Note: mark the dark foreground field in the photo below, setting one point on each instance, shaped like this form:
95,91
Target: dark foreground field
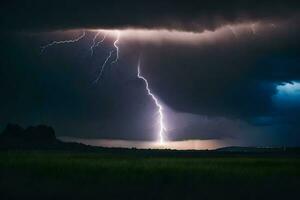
61,175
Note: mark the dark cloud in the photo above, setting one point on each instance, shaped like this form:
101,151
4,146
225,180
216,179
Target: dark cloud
217,89
178,14
232,77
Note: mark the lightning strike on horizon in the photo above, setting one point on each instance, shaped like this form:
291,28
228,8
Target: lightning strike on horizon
162,128
103,66
149,35
62,42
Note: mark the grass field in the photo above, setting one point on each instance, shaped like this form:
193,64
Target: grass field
61,175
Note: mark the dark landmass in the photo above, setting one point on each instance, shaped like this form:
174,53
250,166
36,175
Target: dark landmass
259,149
34,164
135,174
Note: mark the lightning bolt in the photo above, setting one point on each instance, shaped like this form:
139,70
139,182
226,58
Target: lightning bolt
62,42
116,47
102,40
162,128
96,44
159,107
93,46
110,54
102,67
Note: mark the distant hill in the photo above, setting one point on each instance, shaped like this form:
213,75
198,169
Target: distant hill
258,149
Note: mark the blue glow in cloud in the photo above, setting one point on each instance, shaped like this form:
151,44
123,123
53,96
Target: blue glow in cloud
288,94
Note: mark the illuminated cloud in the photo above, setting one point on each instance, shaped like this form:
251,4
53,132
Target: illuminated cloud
192,37
289,89
216,64
169,14
288,94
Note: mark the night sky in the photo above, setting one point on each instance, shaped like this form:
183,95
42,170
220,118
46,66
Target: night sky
222,70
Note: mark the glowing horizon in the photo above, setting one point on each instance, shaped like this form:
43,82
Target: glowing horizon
174,145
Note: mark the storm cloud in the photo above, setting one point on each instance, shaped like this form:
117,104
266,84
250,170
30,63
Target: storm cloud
215,66
110,14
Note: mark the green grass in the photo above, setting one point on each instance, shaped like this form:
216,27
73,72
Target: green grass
49,175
